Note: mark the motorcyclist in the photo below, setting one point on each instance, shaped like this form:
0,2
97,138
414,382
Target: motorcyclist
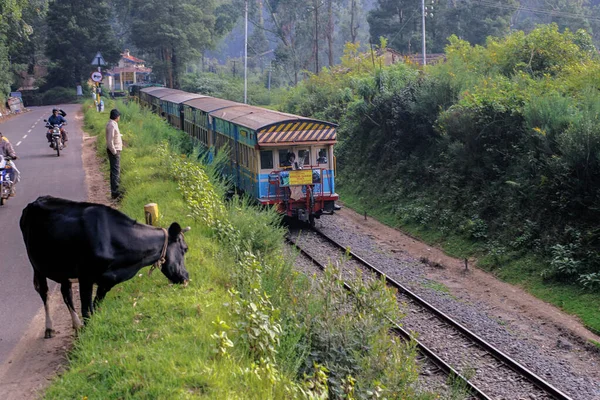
56,119
6,150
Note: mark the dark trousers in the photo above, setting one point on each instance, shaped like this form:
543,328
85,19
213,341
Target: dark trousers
115,172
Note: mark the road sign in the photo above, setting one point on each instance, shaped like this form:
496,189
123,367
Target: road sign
96,76
98,60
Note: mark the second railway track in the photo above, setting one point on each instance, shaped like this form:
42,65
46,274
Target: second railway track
491,373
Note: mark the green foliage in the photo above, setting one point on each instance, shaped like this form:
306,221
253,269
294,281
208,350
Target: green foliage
59,95
174,32
76,31
400,22
230,88
499,144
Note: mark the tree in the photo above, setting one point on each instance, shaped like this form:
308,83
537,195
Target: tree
12,27
173,32
472,20
77,30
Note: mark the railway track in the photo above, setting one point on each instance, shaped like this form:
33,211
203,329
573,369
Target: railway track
487,372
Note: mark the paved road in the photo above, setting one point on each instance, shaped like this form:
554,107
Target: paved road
42,173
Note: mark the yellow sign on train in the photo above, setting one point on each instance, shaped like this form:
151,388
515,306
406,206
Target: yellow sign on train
301,177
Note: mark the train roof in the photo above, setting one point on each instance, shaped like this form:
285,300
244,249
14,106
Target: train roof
275,128
252,117
162,92
209,104
298,130
150,89
272,127
178,98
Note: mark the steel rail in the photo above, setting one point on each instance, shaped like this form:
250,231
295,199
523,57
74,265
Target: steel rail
498,354
424,350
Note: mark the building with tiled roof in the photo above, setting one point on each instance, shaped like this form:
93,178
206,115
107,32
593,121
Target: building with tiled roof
130,70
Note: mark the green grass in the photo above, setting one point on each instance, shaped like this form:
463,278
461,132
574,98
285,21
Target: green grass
438,287
518,269
152,340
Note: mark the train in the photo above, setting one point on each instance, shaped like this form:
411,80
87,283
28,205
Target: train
281,160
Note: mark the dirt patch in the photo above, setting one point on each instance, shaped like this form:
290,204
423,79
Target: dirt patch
35,361
509,303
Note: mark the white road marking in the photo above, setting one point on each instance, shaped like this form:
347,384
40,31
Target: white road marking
18,143
29,131
25,137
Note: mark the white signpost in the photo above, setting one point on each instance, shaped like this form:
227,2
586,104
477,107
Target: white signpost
96,76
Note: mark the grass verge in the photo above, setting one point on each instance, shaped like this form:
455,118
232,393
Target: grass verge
523,270
247,326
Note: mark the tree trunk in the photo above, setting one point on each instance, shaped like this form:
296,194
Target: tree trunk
169,68
174,70
330,32
353,29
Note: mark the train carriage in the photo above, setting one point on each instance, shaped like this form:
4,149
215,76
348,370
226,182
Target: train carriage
260,143
197,120
155,96
172,107
145,98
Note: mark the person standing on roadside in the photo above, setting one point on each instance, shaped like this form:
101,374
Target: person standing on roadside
114,145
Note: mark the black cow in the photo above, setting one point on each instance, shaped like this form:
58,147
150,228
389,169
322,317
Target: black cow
94,244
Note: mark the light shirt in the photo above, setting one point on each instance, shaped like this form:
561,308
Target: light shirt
114,142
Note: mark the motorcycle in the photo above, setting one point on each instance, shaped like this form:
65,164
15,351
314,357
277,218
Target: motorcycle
56,137
6,184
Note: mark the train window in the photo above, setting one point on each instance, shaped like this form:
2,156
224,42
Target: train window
304,157
283,161
322,156
266,159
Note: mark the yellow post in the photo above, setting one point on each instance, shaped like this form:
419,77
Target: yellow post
98,94
151,212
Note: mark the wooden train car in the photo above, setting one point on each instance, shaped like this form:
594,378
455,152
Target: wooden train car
279,159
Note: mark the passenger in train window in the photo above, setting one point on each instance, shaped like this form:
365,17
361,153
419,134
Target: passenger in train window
303,158
322,157
291,161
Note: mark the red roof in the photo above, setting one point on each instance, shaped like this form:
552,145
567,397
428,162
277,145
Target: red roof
131,58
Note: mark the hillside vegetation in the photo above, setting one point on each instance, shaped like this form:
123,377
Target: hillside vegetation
494,152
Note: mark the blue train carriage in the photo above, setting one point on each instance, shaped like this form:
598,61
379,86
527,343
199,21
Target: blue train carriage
172,107
198,122
135,90
145,94
155,96
261,141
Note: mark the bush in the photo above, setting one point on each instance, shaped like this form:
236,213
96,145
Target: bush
59,95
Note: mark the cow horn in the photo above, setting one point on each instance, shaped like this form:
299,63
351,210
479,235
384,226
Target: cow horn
186,229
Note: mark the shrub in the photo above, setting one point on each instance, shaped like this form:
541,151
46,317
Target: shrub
59,95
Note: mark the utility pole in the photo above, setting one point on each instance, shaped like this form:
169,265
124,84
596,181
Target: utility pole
246,54
316,37
424,50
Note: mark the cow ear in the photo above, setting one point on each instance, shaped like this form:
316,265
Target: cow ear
174,231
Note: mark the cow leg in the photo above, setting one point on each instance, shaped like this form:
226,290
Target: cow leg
67,293
100,293
85,292
41,286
